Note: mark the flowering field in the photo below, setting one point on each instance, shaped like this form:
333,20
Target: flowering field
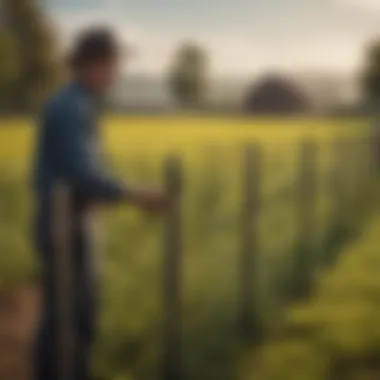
211,154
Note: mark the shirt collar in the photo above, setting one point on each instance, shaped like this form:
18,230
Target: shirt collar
94,99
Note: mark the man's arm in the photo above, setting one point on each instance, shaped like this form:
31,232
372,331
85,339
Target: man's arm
77,160
79,164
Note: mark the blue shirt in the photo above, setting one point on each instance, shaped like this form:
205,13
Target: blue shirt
69,152
69,149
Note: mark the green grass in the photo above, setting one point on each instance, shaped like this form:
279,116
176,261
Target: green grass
130,335
335,335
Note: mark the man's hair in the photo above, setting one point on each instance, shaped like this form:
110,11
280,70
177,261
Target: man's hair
93,45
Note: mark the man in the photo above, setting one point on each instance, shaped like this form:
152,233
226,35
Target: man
69,153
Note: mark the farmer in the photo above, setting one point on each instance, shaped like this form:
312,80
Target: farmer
69,152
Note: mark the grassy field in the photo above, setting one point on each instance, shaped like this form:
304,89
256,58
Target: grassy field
335,335
127,136
211,152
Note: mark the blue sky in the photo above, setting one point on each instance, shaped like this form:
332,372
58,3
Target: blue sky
243,36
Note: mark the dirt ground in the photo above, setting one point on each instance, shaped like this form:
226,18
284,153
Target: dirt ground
18,315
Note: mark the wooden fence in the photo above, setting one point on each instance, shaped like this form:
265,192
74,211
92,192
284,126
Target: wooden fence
349,177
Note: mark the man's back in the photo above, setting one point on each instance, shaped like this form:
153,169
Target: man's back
46,171
68,104
68,152
68,148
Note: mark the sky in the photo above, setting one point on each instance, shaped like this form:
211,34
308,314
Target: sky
243,37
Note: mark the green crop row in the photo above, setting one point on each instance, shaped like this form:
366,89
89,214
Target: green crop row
336,334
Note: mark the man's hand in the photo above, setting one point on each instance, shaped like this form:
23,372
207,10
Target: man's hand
151,201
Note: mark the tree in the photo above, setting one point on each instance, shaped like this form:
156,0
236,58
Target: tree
276,95
40,68
371,75
188,75
9,67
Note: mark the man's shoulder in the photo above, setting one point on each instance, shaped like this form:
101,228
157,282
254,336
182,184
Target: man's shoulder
65,101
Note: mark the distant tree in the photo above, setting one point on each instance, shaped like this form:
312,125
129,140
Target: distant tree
40,69
371,92
371,75
188,75
276,95
9,68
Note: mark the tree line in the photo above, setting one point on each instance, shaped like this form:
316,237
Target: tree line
31,64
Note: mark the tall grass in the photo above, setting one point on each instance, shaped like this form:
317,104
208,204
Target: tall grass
130,330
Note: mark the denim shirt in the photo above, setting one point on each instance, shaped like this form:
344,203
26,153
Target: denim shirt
69,151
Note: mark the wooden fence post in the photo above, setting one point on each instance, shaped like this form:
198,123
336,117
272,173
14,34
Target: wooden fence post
357,175
336,179
63,268
248,314
374,144
305,259
172,350
366,174
370,161
360,181
349,170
